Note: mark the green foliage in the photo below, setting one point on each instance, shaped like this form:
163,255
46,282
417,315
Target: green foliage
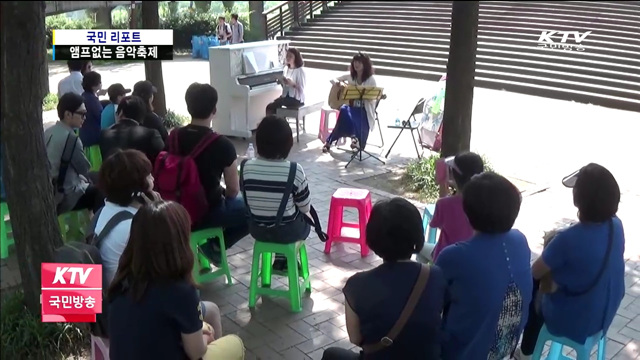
50,102
24,336
62,22
175,120
421,177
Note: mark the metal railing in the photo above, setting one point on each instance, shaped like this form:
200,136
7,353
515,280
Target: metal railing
291,14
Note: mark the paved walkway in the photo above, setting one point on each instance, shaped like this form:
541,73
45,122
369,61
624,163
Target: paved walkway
515,133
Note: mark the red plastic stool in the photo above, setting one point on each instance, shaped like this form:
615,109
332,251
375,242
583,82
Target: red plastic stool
325,130
338,230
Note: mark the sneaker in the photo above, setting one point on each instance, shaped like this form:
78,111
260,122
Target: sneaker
211,252
518,355
280,264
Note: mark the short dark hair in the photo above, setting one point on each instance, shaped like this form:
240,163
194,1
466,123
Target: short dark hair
469,164
274,138
491,202
596,194
394,230
69,102
234,16
222,18
76,65
158,250
132,107
91,80
202,100
367,66
299,62
123,175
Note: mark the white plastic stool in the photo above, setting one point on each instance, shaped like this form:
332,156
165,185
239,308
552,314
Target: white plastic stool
325,130
99,348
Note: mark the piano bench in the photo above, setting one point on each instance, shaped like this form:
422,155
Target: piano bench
299,114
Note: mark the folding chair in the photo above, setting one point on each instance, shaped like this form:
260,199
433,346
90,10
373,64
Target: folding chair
412,124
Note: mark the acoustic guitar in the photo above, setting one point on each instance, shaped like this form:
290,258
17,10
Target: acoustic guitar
335,94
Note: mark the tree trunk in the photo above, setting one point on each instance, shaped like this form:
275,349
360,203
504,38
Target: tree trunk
103,17
461,68
228,5
26,175
257,23
134,15
203,6
173,9
153,69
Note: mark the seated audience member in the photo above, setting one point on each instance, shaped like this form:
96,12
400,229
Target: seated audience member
586,263
264,182
227,208
293,83
124,177
73,82
374,299
154,308
449,216
146,91
354,120
116,93
488,276
90,130
127,133
67,162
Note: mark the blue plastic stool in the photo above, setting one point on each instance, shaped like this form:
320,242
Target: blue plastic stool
583,351
426,219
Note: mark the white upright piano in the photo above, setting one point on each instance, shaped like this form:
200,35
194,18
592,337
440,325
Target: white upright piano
245,76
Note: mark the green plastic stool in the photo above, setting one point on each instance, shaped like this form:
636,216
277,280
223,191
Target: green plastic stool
202,263
291,252
94,156
72,225
5,228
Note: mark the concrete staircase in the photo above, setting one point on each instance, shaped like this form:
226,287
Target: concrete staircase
411,39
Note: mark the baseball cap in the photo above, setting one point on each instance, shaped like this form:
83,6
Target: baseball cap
116,90
467,163
593,171
143,88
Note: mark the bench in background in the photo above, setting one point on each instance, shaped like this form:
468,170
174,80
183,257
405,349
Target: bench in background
300,114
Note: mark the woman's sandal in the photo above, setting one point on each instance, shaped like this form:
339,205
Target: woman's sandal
325,148
354,144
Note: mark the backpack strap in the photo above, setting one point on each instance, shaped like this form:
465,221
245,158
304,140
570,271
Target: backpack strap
206,141
406,313
244,194
293,167
314,221
115,220
65,160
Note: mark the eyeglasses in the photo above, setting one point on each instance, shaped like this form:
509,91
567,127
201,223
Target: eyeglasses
83,114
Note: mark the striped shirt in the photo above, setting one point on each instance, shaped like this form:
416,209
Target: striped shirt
264,182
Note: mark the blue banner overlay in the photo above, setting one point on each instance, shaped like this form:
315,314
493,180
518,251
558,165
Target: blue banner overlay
113,52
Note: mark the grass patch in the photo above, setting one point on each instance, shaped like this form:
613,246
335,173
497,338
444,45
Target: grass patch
24,336
50,102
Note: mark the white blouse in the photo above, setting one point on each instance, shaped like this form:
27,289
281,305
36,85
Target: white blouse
299,78
369,105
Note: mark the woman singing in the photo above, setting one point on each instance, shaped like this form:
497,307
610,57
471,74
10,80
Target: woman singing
355,120
293,83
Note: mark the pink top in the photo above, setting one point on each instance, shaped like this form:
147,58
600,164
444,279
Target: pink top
450,218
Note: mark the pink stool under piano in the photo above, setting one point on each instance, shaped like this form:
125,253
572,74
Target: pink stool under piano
99,348
341,231
325,129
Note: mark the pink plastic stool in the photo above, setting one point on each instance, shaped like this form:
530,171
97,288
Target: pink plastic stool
325,130
99,348
338,230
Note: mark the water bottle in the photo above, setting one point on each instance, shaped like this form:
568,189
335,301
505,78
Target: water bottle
251,152
398,122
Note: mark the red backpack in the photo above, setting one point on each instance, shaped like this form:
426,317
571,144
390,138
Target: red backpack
177,178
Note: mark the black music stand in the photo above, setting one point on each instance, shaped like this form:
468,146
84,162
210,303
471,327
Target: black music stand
362,94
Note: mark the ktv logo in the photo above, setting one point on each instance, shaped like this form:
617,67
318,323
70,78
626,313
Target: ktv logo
568,40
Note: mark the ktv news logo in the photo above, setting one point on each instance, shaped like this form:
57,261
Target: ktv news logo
71,292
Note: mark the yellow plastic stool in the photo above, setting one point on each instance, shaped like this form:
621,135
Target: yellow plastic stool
202,263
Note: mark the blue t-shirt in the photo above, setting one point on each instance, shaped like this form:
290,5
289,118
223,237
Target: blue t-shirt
108,116
379,295
490,288
575,256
